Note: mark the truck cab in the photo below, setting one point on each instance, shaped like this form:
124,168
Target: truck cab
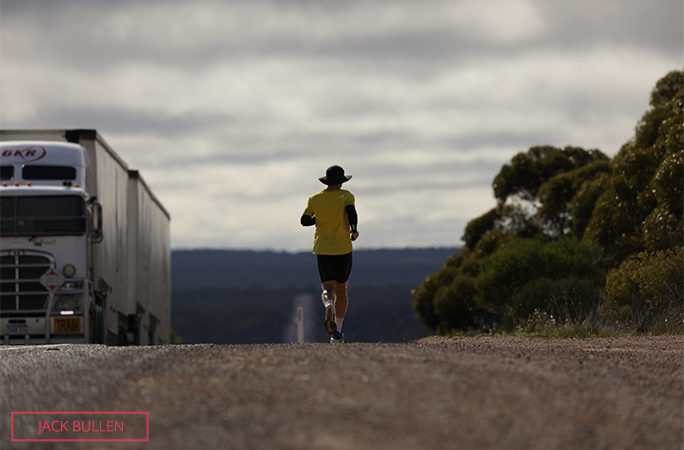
47,222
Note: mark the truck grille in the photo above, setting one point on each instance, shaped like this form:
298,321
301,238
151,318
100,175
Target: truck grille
20,288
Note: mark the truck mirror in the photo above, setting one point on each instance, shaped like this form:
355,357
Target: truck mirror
97,234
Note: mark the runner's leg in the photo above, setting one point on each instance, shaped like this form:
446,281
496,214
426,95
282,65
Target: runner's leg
328,297
341,303
329,291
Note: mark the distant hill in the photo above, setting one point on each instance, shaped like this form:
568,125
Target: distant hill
212,268
243,297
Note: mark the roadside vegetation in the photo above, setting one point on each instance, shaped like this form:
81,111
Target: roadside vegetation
579,245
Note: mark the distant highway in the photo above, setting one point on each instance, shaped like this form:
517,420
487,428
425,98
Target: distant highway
438,393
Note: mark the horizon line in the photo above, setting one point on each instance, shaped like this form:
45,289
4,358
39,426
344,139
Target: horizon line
262,250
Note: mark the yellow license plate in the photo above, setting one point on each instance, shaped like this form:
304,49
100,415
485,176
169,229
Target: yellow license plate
68,325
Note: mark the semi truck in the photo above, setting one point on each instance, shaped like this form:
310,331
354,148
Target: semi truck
84,244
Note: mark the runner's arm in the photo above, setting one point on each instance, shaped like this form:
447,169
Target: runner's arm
353,217
307,220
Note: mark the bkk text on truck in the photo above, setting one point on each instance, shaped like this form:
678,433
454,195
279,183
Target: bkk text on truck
84,244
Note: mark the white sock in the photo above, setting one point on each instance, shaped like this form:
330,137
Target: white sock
338,322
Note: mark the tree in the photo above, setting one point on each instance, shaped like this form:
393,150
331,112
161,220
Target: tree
567,199
536,190
563,218
663,227
479,226
581,207
644,192
528,171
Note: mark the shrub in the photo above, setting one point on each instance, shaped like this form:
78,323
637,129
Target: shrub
647,292
455,307
424,295
508,270
566,300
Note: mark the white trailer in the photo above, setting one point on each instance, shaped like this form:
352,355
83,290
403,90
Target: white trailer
84,244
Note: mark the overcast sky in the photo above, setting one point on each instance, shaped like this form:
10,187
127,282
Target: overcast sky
231,110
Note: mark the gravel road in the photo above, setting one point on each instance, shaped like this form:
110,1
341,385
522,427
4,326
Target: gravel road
437,393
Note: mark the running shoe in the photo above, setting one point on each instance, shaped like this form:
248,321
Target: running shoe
337,338
330,325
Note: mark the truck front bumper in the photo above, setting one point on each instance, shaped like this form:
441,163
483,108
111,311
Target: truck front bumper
35,330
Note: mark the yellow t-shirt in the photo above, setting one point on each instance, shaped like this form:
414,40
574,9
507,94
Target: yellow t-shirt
332,225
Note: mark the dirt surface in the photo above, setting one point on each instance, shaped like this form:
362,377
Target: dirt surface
438,393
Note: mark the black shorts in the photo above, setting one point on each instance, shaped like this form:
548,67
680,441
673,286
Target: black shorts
334,267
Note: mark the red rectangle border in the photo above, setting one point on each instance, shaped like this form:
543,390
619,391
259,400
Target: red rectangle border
146,413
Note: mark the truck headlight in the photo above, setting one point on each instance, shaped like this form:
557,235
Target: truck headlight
69,270
73,303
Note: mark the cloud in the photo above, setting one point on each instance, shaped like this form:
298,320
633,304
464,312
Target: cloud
121,120
232,109
211,30
654,25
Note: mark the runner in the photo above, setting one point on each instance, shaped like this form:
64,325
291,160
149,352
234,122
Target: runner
333,212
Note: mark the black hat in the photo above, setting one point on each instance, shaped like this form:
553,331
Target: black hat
334,176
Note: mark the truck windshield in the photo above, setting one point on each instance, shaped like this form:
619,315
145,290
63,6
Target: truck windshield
6,172
42,216
48,173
